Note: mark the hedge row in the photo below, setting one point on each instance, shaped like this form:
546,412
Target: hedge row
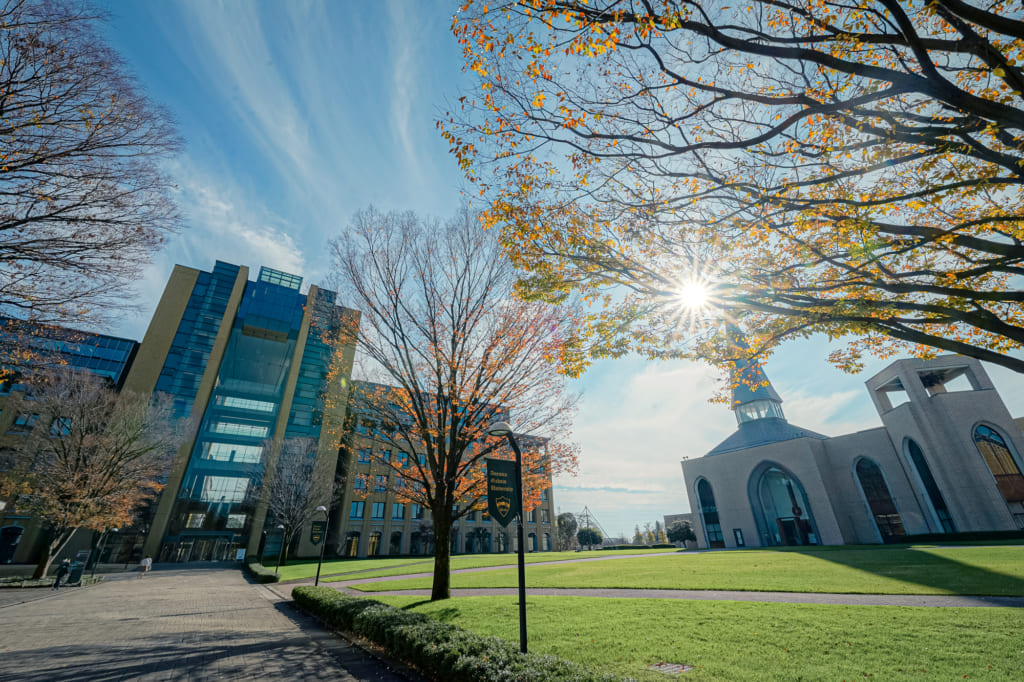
260,573
661,545
968,536
438,650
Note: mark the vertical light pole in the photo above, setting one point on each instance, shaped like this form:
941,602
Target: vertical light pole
503,429
323,543
99,550
280,550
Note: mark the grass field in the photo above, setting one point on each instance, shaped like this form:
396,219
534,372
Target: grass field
995,570
346,569
753,641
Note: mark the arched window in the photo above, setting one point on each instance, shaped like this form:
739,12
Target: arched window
352,544
373,548
531,542
876,492
931,488
1004,468
709,514
396,543
547,542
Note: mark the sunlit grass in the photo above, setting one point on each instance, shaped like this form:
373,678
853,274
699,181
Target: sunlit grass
347,569
883,570
753,641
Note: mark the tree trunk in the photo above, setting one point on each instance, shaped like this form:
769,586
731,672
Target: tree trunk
53,548
442,556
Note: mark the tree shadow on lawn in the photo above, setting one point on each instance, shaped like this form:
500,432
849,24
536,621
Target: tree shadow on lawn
447,614
912,565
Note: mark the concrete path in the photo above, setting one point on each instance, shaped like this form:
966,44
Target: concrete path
184,624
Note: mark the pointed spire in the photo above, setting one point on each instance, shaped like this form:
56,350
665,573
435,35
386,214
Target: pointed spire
753,396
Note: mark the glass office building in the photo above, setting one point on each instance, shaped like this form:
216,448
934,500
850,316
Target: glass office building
246,362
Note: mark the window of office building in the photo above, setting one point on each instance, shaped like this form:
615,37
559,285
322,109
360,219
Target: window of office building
398,511
380,484
355,511
378,511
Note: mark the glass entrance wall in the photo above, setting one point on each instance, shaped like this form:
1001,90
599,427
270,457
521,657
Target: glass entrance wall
879,498
781,509
931,488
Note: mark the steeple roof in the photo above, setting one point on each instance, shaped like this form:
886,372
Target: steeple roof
758,409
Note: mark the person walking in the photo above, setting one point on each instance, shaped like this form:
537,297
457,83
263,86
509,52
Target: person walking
62,570
144,566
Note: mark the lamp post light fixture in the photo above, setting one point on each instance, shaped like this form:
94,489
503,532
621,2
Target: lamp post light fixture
323,543
99,550
503,429
280,550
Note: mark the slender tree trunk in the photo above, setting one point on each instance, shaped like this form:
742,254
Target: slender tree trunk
57,543
442,556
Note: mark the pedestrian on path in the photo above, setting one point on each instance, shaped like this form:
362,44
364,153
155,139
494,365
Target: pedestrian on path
144,566
62,570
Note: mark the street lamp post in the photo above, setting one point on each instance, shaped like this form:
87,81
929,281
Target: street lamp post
99,550
323,543
503,429
280,550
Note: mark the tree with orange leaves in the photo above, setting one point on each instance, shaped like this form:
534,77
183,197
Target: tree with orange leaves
847,167
92,456
452,351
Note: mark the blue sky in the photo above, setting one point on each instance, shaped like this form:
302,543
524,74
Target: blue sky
297,114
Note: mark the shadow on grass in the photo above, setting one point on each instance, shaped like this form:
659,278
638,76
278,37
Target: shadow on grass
912,565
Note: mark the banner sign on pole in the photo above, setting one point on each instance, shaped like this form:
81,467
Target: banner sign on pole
502,497
316,532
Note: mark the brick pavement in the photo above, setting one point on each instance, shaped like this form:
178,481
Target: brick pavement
185,624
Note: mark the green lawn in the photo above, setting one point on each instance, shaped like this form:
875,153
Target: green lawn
995,570
347,569
753,641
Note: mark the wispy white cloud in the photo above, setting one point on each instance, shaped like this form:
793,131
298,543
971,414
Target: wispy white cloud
404,80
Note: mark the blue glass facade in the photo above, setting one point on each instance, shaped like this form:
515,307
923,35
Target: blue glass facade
107,356
213,511
190,350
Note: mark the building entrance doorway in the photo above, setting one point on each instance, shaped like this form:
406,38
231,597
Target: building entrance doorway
781,509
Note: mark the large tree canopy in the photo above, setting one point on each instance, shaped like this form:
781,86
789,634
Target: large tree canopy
83,202
851,167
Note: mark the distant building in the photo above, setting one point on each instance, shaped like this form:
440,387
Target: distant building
372,522
946,459
107,356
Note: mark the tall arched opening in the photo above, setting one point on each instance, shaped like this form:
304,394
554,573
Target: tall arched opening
1004,467
780,506
879,498
931,488
709,514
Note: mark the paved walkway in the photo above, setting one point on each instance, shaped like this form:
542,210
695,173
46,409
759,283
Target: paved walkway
174,625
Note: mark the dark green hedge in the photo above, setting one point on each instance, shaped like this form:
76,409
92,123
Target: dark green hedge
663,545
260,573
969,536
440,651
625,547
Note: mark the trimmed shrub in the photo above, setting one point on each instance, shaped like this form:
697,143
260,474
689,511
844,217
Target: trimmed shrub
625,547
439,650
663,545
968,536
260,573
